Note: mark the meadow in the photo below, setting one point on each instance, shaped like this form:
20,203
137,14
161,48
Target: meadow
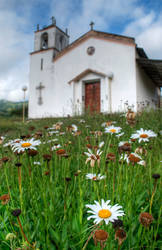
56,173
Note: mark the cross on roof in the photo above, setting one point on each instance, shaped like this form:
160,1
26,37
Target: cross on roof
53,20
91,24
39,88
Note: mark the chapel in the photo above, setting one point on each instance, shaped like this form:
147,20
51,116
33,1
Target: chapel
98,72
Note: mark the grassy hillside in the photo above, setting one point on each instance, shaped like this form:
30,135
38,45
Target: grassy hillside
8,108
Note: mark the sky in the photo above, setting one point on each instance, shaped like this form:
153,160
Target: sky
141,19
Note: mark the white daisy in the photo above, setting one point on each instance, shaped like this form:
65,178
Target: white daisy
107,124
82,121
122,143
101,144
53,132
36,163
93,157
119,135
134,158
11,142
22,145
112,130
74,128
143,135
104,212
95,177
56,147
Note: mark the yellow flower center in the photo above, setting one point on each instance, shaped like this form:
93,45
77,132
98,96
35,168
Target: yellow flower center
113,130
94,178
25,144
143,135
104,213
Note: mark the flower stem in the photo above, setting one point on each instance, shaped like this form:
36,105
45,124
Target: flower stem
153,193
22,231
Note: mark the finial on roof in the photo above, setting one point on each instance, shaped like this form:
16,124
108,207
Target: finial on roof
53,20
66,31
91,24
37,27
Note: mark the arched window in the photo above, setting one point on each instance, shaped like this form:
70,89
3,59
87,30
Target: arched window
61,42
44,41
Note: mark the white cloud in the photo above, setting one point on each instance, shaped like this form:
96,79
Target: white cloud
100,11
148,33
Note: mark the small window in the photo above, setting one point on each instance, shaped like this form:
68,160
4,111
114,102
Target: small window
41,63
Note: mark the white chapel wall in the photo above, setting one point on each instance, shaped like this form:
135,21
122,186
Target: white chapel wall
45,77
146,90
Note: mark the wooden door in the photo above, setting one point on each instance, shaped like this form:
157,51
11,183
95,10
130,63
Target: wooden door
92,97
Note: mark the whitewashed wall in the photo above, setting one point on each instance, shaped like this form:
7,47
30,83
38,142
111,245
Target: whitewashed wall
109,57
146,89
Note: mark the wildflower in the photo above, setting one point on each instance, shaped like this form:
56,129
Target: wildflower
98,133
82,121
16,212
31,128
72,128
68,179
5,198
1,139
117,224
130,116
133,158
108,123
104,212
18,164
95,177
47,172
146,219
46,127
57,125
143,135
4,159
100,236
53,132
38,134
56,146
22,145
10,236
111,157
156,176
78,132
11,142
47,157
32,152
119,135
124,146
120,235
112,130
36,163
61,152
92,157
141,151
101,144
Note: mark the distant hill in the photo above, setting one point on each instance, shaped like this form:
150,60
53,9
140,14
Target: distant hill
8,108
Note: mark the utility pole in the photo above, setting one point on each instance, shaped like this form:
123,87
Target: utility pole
24,89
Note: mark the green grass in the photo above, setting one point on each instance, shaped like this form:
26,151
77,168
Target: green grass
53,212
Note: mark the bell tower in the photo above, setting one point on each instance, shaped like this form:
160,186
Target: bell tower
50,37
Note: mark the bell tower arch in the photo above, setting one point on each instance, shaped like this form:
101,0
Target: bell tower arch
50,37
